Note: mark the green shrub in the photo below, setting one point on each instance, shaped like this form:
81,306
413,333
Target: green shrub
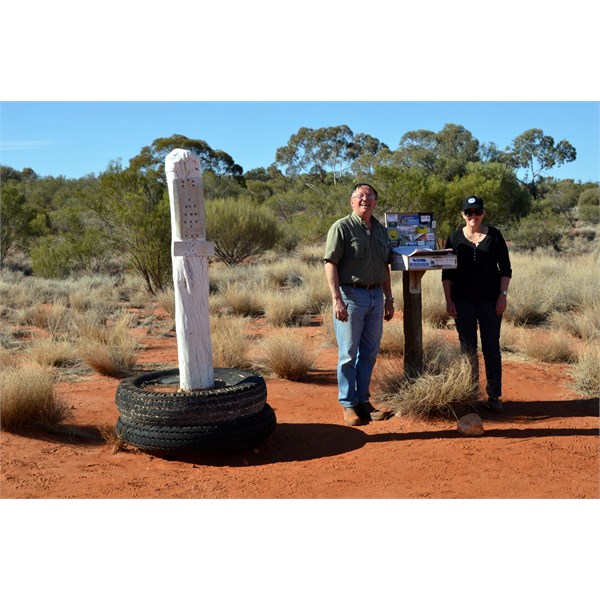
538,230
51,259
589,205
240,229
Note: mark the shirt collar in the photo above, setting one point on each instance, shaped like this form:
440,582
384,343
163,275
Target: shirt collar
356,219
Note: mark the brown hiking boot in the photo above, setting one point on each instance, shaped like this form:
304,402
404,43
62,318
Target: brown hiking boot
351,417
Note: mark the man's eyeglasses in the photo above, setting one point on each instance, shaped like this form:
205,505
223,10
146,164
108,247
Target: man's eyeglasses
474,212
363,195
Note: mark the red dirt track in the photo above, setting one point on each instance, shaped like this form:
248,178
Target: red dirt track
544,446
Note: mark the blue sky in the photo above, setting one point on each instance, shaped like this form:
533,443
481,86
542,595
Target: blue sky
76,138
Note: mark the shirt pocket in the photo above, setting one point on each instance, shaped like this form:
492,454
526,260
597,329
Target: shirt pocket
359,248
382,250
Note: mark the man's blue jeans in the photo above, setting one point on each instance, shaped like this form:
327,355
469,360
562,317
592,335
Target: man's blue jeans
358,342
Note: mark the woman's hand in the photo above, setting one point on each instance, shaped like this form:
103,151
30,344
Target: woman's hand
451,308
501,304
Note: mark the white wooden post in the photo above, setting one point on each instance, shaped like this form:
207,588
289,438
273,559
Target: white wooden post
190,252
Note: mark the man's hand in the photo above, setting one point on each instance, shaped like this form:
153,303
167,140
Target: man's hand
388,311
340,310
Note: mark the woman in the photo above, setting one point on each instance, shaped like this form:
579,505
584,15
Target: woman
476,293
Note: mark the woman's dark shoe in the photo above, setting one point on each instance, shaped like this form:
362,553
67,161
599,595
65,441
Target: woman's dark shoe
369,413
495,405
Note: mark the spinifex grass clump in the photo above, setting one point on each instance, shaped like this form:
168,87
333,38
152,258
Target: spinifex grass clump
51,353
229,341
586,371
286,307
109,349
285,355
550,347
28,399
445,384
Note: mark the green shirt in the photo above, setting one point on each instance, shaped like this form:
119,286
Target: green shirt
361,256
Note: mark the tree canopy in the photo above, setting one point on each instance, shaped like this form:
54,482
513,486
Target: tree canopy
535,153
152,158
325,152
445,153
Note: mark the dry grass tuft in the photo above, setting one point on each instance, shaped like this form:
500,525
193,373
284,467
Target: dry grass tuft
437,392
243,298
109,349
586,370
584,323
311,254
392,339
229,342
327,324
552,347
112,361
284,355
433,303
509,337
286,307
48,352
8,360
28,399
166,300
112,438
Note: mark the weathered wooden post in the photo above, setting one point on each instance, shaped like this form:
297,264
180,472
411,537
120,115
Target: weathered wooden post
412,323
190,252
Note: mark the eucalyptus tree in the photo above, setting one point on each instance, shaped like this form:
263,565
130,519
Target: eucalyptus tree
445,153
151,159
325,155
535,153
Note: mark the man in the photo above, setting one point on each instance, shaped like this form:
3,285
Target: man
357,257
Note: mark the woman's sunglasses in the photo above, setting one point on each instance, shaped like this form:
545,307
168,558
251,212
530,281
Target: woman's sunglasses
476,211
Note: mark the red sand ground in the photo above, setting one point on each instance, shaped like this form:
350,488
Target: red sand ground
545,445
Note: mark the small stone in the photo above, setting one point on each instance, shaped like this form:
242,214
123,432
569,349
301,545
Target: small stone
471,424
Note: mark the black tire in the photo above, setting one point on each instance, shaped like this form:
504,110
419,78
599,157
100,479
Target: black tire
230,435
237,393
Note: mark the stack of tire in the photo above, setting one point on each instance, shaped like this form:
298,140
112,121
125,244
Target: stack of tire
232,415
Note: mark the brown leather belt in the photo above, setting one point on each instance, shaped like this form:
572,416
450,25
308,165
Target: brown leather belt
364,286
